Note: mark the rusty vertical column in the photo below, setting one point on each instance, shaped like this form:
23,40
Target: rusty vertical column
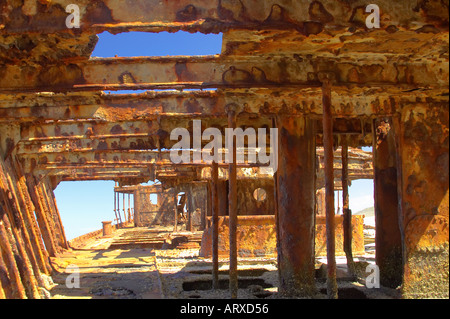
175,204
132,207
346,209
215,224
137,204
388,241
129,208
296,197
115,207
123,209
329,185
275,194
232,201
118,210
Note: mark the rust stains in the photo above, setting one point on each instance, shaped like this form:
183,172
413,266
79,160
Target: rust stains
189,13
60,75
98,12
317,12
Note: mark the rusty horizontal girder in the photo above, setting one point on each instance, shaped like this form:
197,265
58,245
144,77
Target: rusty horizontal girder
205,72
94,140
213,16
349,103
360,167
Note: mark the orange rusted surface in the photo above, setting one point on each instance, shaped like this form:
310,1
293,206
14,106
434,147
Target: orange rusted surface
257,237
56,124
357,236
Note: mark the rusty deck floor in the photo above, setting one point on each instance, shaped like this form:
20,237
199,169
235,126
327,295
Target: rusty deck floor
150,273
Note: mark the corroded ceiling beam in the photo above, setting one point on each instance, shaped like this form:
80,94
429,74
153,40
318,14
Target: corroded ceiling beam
151,106
360,167
114,135
92,136
212,16
216,72
109,159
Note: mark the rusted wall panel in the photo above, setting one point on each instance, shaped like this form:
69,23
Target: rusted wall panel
422,138
257,237
151,213
248,205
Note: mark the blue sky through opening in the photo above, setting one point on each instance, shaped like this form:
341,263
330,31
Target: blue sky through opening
134,44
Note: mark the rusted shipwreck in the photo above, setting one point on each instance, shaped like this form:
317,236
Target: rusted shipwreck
313,70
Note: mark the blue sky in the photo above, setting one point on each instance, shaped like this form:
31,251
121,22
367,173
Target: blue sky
84,205
157,44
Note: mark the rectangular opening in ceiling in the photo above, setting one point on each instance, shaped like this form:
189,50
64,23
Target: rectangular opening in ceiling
134,44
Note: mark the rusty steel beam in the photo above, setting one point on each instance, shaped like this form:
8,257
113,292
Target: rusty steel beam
18,289
295,207
60,145
30,222
215,224
213,16
332,290
348,231
41,217
232,204
20,242
51,200
388,238
115,208
6,289
108,159
23,263
360,167
166,73
350,103
26,244
175,204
